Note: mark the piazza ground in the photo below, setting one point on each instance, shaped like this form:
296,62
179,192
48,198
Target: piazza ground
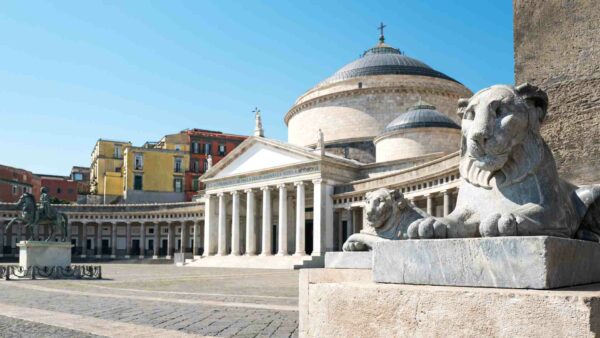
154,300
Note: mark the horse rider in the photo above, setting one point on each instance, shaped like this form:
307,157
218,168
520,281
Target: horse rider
45,210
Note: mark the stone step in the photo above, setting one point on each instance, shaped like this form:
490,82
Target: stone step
257,262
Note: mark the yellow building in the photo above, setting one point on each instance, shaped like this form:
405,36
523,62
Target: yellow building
154,174
123,173
106,179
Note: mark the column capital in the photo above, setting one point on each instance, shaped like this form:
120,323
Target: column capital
446,192
282,186
234,193
299,183
266,188
318,181
220,194
249,190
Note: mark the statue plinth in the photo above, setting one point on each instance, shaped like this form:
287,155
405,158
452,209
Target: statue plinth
37,253
536,262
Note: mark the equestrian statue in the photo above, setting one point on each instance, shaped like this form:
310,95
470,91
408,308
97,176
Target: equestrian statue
32,216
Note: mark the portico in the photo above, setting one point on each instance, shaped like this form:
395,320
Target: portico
271,203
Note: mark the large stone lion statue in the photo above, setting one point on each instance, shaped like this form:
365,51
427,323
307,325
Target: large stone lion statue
388,216
510,185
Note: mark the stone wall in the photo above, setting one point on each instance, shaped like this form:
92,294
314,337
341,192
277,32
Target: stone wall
557,46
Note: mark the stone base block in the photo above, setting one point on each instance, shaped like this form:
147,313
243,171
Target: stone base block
34,253
345,303
349,260
258,262
538,262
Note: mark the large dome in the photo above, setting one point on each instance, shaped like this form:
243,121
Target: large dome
384,60
356,104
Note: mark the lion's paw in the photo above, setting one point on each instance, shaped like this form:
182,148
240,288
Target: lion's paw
354,246
429,227
499,225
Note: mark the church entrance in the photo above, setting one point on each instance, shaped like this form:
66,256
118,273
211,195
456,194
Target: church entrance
309,236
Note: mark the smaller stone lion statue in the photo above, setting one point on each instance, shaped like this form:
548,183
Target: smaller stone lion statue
510,185
388,216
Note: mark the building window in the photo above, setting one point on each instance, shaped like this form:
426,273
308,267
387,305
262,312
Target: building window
78,177
14,190
151,231
205,165
137,182
178,162
359,85
178,147
221,150
139,162
195,148
58,190
196,166
118,169
195,185
178,185
207,149
117,151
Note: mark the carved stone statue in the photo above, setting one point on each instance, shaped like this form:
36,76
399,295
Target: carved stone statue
33,216
209,161
388,216
510,185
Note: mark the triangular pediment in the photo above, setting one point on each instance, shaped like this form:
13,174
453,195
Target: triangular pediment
257,154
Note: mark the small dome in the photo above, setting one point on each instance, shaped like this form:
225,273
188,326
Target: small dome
422,115
384,60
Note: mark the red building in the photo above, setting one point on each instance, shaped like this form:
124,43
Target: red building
61,187
203,143
14,182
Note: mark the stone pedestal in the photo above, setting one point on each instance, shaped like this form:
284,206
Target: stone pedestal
34,253
538,262
349,260
347,303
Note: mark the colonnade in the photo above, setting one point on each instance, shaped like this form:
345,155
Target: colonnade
99,239
219,241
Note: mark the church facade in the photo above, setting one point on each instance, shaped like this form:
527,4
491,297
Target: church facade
383,121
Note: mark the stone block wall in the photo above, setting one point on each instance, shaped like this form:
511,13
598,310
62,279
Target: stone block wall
557,47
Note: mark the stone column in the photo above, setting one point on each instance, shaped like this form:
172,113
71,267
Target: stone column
349,223
184,237
320,221
113,241
128,240
222,225
266,222
210,224
99,241
83,238
142,240
2,225
250,226
283,217
446,194
155,250
170,240
235,223
429,204
195,239
300,219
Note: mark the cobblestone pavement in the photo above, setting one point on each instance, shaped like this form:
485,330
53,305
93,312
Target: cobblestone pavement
200,301
11,327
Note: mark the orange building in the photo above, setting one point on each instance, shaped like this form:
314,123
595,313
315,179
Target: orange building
14,182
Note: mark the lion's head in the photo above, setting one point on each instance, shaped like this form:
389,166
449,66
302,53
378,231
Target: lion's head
381,204
501,133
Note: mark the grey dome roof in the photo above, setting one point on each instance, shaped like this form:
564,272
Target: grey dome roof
421,115
384,60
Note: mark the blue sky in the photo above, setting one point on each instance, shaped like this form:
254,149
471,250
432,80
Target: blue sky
75,71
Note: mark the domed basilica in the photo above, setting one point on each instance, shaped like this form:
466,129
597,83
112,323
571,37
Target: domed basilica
385,120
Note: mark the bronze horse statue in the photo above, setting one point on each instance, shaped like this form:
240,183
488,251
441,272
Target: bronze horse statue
30,215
